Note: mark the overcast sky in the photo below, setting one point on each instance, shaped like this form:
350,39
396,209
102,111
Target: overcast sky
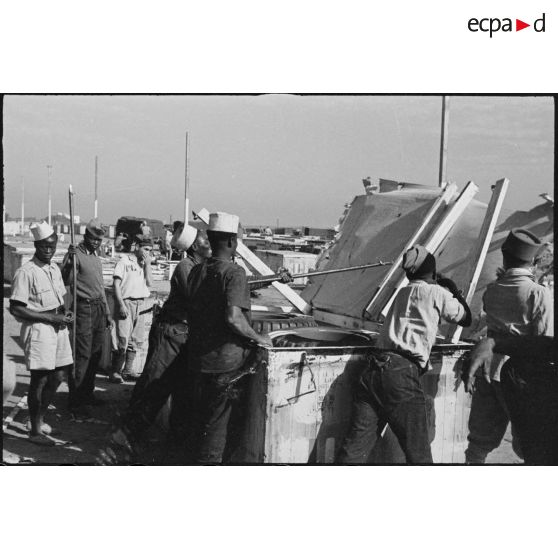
295,159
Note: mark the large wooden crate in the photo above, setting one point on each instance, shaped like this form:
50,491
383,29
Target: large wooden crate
299,408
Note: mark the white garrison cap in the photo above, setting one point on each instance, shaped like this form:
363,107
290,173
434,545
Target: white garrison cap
184,237
223,222
41,230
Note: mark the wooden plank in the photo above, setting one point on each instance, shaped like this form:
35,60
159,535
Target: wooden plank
442,202
251,259
451,216
480,249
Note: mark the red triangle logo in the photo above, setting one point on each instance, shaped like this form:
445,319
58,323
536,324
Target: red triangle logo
519,25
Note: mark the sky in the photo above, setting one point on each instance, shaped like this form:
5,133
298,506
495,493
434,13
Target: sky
292,160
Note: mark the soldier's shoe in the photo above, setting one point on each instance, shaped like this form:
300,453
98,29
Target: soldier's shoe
130,377
115,378
45,429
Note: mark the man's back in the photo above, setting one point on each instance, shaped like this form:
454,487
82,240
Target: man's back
213,287
516,304
412,322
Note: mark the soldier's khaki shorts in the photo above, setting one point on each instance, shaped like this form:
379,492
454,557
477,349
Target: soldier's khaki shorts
46,348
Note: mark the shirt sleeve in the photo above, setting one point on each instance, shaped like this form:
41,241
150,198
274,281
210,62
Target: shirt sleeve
543,312
449,307
119,269
21,287
180,277
236,289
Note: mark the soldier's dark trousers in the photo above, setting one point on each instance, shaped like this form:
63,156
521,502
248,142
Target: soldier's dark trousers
221,412
165,365
531,393
389,391
90,323
488,421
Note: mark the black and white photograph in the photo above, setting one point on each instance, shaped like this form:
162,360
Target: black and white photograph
279,279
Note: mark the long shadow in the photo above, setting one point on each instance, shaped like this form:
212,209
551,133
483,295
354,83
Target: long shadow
18,359
17,339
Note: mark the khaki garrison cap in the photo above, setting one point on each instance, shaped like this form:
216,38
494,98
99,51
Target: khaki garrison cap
521,244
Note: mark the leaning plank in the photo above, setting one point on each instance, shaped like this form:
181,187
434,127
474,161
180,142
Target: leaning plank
451,216
481,247
294,298
442,202
251,259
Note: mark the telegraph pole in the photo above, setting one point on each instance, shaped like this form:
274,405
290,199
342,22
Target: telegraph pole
444,141
186,201
49,168
96,191
22,205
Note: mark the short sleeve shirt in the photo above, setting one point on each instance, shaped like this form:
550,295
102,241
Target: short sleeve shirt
213,287
39,286
132,277
412,322
174,308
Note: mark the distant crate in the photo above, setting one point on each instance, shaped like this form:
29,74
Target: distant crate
295,262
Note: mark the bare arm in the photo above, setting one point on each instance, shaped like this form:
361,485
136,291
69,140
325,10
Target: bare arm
67,266
147,271
237,321
23,313
468,318
448,284
121,307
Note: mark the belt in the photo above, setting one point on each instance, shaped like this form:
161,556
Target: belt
59,310
91,300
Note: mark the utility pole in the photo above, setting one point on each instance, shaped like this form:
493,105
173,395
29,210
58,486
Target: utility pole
96,191
186,201
22,205
444,140
49,168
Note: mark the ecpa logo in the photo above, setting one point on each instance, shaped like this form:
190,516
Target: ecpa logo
492,25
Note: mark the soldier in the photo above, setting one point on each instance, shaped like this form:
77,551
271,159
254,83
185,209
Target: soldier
515,305
221,335
389,390
131,278
37,301
92,317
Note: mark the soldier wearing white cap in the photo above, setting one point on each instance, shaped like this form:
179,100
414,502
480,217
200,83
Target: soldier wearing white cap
37,301
92,317
514,305
165,366
221,334
389,390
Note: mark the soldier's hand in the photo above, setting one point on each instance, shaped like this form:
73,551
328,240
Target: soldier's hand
265,340
72,249
285,276
480,361
110,321
122,313
61,319
448,284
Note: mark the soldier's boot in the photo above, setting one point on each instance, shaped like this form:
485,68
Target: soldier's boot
128,374
118,360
